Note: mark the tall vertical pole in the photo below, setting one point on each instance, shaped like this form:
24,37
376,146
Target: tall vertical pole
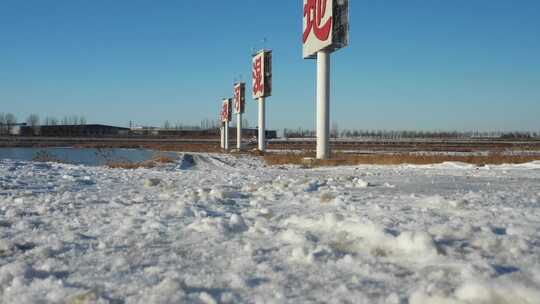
239,131
226,135
262,126
323,104
221,131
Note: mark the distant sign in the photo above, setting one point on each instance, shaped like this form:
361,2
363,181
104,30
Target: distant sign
239,98
326,26
262,74
226,111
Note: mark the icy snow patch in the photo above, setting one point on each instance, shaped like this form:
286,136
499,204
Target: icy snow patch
353,235
231,230
500,291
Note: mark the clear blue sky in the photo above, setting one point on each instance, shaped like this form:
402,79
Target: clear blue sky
415,64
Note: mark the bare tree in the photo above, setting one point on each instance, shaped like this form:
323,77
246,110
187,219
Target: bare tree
335,130
82,120
166,125
33,122
73,120
245,123
11,119
7,123
3,124
50,121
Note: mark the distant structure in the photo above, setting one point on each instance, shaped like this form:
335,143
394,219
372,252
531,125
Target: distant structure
15,129
73,131
196,134
97,130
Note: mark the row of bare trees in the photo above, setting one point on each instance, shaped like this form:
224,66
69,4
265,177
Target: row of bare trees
394,134
66,120
205,124
8,122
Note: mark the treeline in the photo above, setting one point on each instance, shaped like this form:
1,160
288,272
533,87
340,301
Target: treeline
8,122
66,120
393,134
205,124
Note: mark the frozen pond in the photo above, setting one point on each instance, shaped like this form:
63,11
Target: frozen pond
81,156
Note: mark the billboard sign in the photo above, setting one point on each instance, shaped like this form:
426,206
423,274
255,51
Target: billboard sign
325,26
226,111
239,98
262,74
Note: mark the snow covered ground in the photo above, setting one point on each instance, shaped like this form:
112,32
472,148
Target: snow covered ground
231,230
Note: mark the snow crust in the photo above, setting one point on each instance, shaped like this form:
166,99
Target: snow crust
232,230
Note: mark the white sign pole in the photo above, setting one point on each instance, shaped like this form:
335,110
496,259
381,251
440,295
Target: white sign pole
262,127
239,131
323,104
226,135
326,29
222,138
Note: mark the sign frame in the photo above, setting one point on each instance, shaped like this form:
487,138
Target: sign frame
326,32
261,70
226,113
240,98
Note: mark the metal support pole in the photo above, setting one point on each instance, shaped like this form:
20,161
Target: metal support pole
239,131
226,135
323,104
262,126
221,130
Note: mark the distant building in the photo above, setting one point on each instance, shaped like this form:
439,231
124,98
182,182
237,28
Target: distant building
14,129
197,133
144,131
103,130
73,131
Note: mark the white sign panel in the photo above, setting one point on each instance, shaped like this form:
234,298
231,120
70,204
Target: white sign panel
226,110
239,97
258,83
318,26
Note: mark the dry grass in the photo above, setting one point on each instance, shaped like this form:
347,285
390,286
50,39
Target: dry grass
396,159
128,165
172,147
162,159
189,147
151,163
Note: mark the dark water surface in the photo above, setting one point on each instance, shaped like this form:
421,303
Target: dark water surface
82,156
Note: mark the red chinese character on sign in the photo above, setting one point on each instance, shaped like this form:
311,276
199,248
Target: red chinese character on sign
237,101
225,112
258,86
314,11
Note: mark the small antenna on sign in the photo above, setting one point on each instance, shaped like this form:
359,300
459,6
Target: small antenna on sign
238,79
262,45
